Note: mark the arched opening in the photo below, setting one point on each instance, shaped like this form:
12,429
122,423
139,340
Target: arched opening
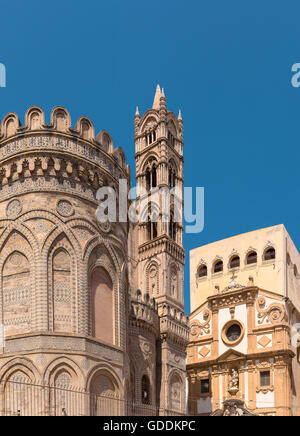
152,218
148,179
172,175
102,305
17,396
251,258
172,227
154,182
104,395
218,266
202,271
16,294
62,305
234,262
270,254
145,390
175,393
61,395
151,174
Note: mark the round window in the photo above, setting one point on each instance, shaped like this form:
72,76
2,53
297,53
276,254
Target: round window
233,333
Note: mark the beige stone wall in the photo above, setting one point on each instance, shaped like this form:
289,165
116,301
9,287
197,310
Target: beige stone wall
63,276
272,275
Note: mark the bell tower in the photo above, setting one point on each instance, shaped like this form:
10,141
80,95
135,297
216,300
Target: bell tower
159,241
159,178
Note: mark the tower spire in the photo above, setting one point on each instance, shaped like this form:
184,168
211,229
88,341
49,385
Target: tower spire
157,98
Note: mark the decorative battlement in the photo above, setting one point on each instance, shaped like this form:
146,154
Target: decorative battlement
11,129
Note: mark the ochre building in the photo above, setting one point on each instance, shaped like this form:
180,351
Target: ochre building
243,350
92,313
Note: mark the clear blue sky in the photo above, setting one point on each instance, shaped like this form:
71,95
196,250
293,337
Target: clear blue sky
226,64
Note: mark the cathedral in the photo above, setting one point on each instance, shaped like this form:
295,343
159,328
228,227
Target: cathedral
92,313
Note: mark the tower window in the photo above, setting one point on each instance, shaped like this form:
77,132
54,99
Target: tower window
171,139
172,228
151,175
265,378
151,137
218,266
235,262
202,271
145,390
154,183
172,176
270,254
252,258
205,386
152,219
152,230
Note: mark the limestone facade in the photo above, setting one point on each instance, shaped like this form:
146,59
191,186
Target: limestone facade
244,341
77,300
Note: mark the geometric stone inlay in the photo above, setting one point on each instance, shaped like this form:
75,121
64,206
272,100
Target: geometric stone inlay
13,208
64,208
264,341
204,351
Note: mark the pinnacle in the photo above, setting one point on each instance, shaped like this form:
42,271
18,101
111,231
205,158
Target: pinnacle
157,98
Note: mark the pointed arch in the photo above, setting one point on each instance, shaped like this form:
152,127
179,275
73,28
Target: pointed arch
102,285
62,286
175,392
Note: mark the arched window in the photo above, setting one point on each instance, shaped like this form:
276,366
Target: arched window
202,271
151,174
172,227
218,266
251,258
154,183
145,390
171,139
234,262
151,223
102,305
270,254
172,175
62,299
148,179
16,293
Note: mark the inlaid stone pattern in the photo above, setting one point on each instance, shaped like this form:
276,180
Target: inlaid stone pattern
13,208
65,208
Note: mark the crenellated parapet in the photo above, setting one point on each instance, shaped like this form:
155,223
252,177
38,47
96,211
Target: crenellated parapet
56,157
60,124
